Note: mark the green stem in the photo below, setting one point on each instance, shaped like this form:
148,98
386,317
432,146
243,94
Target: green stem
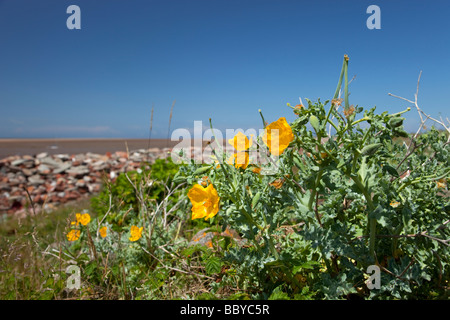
346,83
262,117
366,135
423,179
313,193
401,112
372,221
360,120
332,123
272,248
310,203
336,93
322,148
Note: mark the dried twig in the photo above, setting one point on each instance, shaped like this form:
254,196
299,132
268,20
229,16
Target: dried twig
422,113
176,269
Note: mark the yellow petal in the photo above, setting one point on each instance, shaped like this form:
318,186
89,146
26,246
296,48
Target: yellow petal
85,219
240,160
230,160
277,136
103,231
77,218
198,212
240,142
136,233
205,201
196,194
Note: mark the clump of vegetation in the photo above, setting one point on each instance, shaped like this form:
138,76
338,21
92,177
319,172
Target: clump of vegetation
122,194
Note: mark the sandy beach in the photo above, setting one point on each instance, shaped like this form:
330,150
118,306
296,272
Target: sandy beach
10,147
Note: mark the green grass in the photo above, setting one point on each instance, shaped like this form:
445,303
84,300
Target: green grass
33,259
29,253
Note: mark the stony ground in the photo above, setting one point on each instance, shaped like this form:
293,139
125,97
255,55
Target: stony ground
49,180
46,180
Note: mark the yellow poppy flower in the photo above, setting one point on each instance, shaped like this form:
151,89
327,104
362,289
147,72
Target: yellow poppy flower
205,201
84,219
73,235
240,160
277,136
240,142
136,233
103,231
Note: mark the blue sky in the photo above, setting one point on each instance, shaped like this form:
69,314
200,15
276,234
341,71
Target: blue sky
219,59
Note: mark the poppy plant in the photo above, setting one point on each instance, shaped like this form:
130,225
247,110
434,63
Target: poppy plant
205,201
277,136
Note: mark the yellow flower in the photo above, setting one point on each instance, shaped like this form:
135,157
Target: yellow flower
205,201
240,160
84,219
240,142
136,233
73,235
277,136
394,204
103,231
